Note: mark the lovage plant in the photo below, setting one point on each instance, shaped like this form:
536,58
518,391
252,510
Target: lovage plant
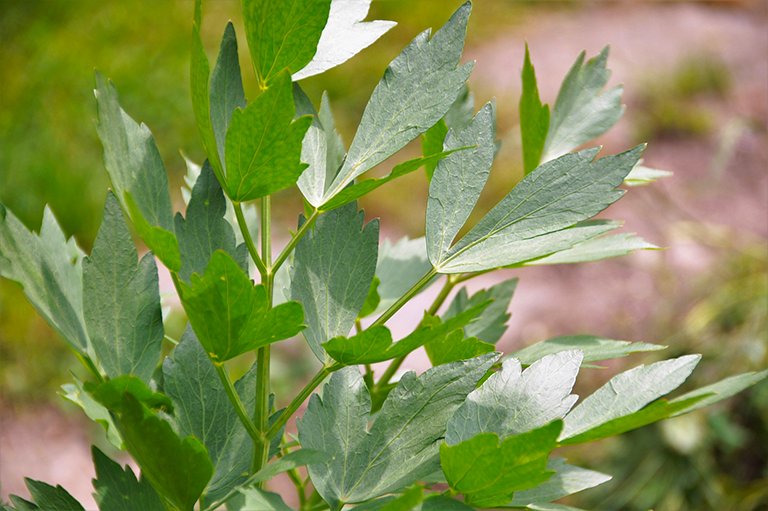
477,430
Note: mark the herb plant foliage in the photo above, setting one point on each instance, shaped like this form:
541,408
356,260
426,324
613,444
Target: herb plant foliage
477,430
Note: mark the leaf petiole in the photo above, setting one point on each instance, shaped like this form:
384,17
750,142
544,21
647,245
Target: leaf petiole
248,239
295,240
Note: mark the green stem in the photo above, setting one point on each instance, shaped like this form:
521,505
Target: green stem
295,240
300,398
248,239
450,282
234,397
261,418
405,298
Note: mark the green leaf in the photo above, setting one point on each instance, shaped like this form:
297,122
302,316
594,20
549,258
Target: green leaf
204,411
110,394
432,142
283,34
199,74
399,267
257,499
568,479
401,446
492,323
641,175
462,111
550,506
627,393
322,148
160,241
488,471
534,117
263,146
455,347
205,229
530,221
440,503
654,412
121,300
344,36
178,469
594,348
120,490
372,300
21,504
47,498
49,268
597,249
417,89
581,111
374,344
332,271
226,87
457,183
134,166
513,401
718,391
230,315
95,411
359,189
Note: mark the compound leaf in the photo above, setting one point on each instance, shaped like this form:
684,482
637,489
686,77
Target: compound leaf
581,111
513,401
457,183
627,393
492,322
332,271
120,490
594,348
121,300
230,315
49,268
534,118
263,144
205,229
402,444
417,89
283,34
488,471
531,221
344,36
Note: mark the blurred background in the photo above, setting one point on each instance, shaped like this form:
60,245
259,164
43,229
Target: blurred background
696,89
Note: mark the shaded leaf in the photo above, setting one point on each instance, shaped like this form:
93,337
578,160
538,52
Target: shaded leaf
205,229
95,411
332,271
417,89
160,241
257,499
582,112
49,268
594,348
230,315
120,490
292,460
372,300
263,144
492,322
534,118
121,300
344,36
47,498
283,34
641,175
199,74
227,92
513,401
399,267
110,393
402,444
